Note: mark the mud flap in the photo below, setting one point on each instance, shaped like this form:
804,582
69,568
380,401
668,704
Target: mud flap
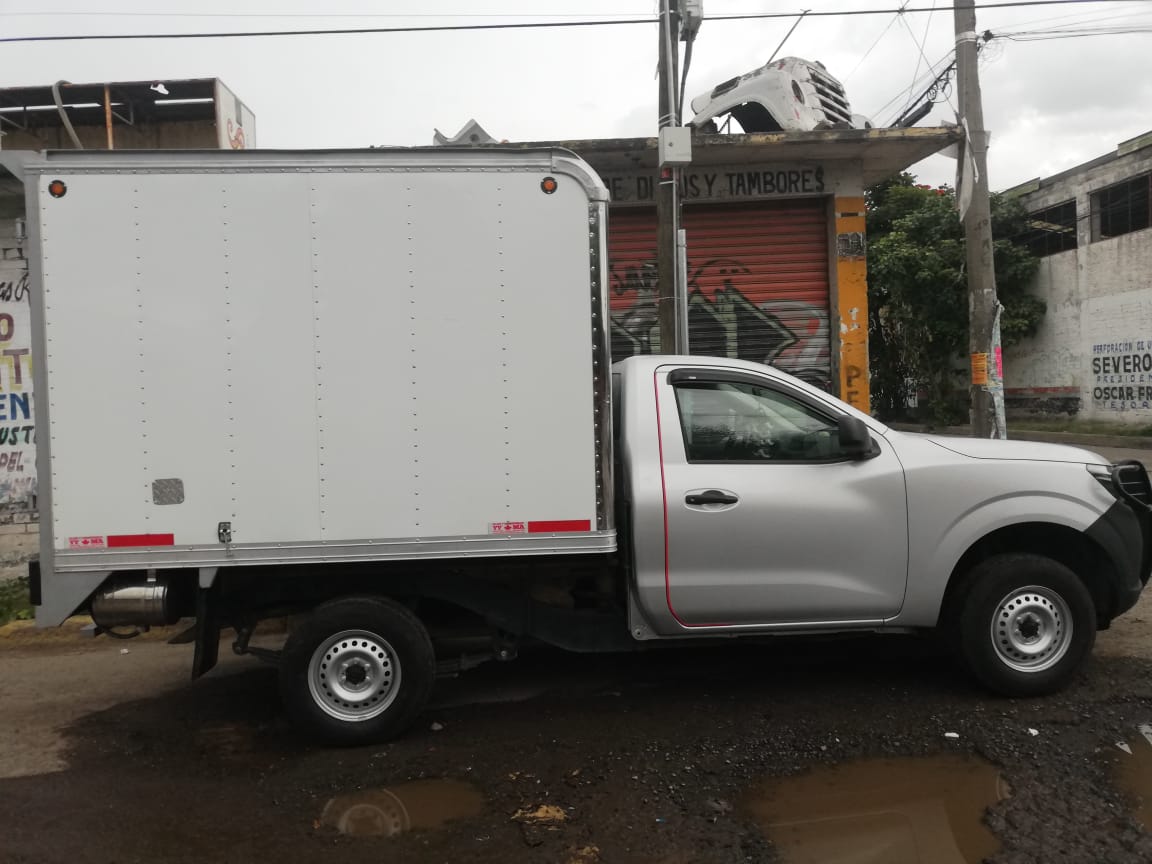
207,629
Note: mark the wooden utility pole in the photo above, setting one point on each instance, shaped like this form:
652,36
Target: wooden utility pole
983,342
667,221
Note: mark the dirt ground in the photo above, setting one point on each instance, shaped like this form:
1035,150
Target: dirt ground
869,749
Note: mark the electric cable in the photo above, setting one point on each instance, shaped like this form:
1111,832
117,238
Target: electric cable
535,25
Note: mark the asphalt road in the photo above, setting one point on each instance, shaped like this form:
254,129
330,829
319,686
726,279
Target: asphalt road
864,750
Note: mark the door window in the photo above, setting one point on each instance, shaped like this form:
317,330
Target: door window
736,421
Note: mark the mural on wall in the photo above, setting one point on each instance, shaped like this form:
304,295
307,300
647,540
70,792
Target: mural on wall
1122,375
791,334
17,428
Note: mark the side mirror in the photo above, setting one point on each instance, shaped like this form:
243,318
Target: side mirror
855,442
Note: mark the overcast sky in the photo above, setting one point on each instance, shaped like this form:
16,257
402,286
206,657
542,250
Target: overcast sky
1049,104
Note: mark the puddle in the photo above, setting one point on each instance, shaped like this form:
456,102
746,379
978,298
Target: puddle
392,810
883,811
1134,775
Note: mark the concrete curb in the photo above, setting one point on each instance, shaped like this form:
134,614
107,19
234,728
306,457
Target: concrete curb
1078,439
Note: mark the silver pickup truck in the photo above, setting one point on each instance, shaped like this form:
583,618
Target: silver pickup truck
760,504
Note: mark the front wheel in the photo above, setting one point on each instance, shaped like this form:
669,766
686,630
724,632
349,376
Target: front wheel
360,669
1024,624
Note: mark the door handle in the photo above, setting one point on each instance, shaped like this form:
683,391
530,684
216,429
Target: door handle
712,496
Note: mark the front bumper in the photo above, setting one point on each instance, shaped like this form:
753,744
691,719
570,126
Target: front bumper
1124,532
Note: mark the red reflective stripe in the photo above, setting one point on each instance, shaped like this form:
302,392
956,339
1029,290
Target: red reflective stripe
115,540
561,525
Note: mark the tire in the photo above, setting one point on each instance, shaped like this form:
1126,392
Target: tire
1023,625
357,670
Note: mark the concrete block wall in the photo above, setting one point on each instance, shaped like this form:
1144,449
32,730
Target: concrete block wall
19,543
26,526
1092,356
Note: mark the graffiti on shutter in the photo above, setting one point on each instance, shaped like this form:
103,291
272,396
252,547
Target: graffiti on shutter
757,287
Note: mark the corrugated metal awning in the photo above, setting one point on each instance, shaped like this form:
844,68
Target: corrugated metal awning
880,153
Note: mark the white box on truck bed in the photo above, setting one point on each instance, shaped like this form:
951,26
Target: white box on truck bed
262,357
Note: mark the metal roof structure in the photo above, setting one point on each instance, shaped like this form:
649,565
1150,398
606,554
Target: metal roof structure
32,108
880,152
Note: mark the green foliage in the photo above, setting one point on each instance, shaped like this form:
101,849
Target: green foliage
918,294
15,604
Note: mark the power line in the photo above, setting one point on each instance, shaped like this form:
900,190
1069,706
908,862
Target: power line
931,73
59,14
883,33
437,28
939,86
1050,19
1043,35
919,46
906,9
344,31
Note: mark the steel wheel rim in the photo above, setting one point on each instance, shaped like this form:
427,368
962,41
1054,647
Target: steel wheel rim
354,675
1031,629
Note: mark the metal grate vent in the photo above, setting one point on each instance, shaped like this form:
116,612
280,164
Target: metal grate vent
1132,479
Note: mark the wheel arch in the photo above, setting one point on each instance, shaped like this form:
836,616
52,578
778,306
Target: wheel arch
1070,547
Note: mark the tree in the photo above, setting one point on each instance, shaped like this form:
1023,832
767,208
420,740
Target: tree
918,294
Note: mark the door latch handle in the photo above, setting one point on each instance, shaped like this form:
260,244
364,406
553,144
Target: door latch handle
712,496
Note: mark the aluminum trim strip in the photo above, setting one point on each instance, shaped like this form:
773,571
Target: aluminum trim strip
251,161
601,368
815,626
642,631
407,549
42,394
570,164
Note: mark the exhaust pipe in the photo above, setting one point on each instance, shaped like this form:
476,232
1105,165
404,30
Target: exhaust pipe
134,601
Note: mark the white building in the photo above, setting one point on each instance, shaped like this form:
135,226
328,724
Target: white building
1091,358
132,115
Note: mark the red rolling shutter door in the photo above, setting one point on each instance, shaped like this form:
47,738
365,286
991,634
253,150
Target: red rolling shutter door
757,283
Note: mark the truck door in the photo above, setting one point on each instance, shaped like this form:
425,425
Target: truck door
767,520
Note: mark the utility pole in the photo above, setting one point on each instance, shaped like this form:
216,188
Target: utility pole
987,385
667,207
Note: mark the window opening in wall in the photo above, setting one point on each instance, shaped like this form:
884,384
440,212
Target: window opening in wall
1052,229
1122,208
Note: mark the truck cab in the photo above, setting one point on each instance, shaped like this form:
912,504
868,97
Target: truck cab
737,477
760,504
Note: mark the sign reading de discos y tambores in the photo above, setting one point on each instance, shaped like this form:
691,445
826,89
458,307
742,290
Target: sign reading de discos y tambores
722,183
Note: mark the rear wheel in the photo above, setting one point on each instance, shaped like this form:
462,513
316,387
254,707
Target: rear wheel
1024,624
358,669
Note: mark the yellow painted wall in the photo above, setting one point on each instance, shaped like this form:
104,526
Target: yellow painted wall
852,292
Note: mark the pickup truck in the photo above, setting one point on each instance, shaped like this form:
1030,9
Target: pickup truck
757,503
370,391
